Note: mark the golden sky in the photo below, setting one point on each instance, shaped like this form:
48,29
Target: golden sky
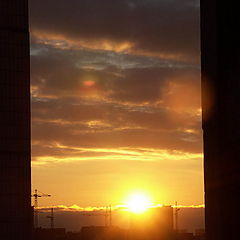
116,102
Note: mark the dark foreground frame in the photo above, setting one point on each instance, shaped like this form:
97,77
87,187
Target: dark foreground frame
220,58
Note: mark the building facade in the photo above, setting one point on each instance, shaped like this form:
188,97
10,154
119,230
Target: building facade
221,117
15,170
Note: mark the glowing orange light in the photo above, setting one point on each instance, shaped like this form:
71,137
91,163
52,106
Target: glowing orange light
89,83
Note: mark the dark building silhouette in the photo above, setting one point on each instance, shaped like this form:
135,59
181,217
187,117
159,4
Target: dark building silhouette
162,226
15,175
49,233
103,233
221,117
184,236
200,234
155,224
166,219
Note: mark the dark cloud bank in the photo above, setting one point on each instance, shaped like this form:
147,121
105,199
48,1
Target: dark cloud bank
131,103
154,26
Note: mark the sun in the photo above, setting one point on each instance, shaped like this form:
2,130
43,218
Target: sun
138,203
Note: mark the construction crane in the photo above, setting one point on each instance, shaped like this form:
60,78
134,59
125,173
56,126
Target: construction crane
51,217
110,216
107,214
176,217
37,194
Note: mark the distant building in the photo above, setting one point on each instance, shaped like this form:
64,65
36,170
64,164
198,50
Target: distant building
15,148
200,234
156,224
166,218
49,233
103,233
185,236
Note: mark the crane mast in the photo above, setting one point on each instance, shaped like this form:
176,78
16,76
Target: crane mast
176,217
107,214
51,217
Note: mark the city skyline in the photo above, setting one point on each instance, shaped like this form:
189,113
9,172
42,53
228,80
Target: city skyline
73,219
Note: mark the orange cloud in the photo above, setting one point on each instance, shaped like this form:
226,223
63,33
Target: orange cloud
59,41
62,42
182,94
76,208
131,154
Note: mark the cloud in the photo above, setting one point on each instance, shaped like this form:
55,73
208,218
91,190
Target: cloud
73,208
75,123
140,80
76,208
160,28
145,104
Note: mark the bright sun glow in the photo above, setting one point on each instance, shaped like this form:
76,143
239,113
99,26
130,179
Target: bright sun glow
138,203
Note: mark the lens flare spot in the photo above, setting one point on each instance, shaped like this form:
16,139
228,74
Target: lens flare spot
89,83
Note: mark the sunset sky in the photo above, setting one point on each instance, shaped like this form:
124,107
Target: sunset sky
116,102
